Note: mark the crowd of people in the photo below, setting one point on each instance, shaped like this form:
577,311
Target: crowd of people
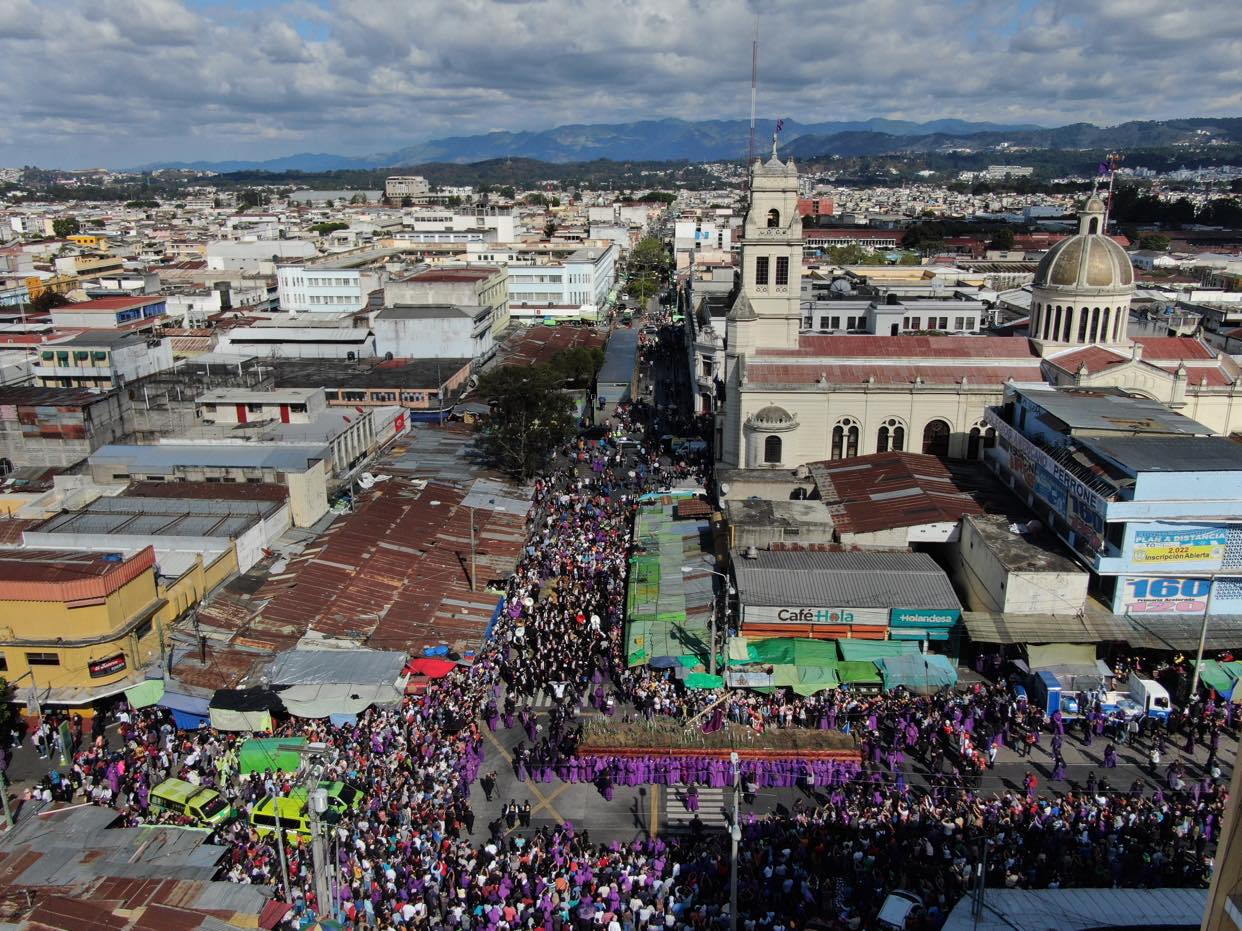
405,857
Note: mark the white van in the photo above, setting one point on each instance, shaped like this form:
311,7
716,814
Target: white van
1151,696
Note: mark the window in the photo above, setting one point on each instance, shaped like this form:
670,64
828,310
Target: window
916,323
774,218
761,270
782,270
845,439
42,659
4,663
836,323
944,323
959,323
772,449
892,435
936,438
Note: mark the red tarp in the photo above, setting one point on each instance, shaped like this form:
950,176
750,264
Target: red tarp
430,667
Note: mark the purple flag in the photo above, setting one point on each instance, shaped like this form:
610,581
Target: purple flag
1105,168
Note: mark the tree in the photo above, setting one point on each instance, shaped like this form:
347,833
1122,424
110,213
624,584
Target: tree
66,226
529,419
507,192
358,199
45,301
548,229
1154,242
323,229
649,266
1002,239
252,198
577,367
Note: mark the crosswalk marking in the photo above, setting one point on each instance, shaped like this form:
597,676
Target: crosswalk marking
713,804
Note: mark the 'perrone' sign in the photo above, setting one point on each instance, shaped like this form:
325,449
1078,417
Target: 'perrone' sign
106,667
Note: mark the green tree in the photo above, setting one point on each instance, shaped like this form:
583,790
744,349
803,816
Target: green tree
46,300
252,198
530,417
323,229
66,226
1154,241
535,200
507,192
649,265
1002,239
358,199
577,367
548,229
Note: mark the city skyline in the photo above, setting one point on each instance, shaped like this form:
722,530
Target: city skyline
159,80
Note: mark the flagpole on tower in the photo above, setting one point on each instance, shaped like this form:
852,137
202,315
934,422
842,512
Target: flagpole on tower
754,83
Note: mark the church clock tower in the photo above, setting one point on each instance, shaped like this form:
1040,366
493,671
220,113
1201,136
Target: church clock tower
767,313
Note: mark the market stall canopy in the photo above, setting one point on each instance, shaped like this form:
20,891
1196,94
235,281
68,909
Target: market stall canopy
145,693
320,683
244,709
430,667
923,673
261,754
190,712
871,650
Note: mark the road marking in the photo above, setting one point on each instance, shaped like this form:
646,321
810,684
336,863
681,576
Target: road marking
711,811
544,800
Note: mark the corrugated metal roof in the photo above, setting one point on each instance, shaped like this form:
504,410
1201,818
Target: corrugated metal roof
843,580
172,455
1081,909
1169,454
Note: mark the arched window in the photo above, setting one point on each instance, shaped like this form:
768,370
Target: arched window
845,439
1095,324
1083,318
774,218
892,435
1094,225
936,438
982,437
772,449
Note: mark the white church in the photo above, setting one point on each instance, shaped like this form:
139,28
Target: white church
793,397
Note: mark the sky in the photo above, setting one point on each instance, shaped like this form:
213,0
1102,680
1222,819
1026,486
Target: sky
120,83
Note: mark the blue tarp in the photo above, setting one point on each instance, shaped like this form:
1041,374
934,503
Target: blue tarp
919,672
491,624
190,712
441,650
343,720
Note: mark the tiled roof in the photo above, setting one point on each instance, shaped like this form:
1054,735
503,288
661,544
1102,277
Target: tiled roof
761,373
1095,358
1173,348
908,347
882,491
396,572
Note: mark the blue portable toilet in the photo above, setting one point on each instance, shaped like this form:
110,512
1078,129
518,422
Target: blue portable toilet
1046,691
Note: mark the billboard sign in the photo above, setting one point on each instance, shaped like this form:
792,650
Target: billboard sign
1202,547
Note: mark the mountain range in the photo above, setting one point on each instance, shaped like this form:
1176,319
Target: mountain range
720,140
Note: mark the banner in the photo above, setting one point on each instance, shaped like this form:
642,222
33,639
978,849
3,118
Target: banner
1204,547
106,667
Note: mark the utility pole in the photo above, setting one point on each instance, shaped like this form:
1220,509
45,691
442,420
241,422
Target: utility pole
1207,611
472,569
280,842
317,803
4,797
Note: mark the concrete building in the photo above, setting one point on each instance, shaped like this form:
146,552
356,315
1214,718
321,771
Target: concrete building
469,286
332,287
112,313
101,359
1144,496
399,186
424,387
171,526
302,469
1006,571
332,339
698,233
761,524
585,279
893,317
238,406
434,331
843,595
82,623
57,427
256,257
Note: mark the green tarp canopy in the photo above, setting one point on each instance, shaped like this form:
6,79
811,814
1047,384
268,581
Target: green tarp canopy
858,672
875,649
702,680
259,754
795,651
145,693
806,680
921,672
1221,677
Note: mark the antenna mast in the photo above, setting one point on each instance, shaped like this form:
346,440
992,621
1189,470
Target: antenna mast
754,81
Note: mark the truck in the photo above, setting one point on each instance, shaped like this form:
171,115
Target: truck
204,806
1152,697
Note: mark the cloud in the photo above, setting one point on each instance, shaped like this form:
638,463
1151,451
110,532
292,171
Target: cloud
123,82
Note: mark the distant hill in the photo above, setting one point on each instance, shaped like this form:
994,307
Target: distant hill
726,140
646,140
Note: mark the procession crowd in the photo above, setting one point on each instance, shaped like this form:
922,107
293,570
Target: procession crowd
404,859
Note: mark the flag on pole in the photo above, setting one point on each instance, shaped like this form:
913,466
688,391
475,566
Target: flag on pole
1105,168
780,124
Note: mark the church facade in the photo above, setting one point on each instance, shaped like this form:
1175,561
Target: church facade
793,397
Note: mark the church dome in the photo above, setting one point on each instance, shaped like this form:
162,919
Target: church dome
772,418
1088,263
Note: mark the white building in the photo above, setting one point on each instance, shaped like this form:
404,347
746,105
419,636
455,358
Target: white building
695,234
257,257
584,279
398,186
283,405
475,287
335,341
434,331
893,317
326,289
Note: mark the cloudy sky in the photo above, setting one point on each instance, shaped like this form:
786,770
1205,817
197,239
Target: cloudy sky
127,82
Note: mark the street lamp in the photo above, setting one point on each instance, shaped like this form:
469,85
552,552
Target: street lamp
711,652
